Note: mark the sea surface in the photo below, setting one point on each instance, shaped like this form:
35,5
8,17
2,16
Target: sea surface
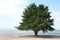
15,32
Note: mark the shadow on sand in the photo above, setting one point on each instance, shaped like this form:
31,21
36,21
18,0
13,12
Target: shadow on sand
42,36
48,36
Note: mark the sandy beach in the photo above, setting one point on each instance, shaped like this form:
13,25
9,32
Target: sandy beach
41,37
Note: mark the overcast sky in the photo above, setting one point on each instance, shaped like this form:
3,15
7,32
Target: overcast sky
11,11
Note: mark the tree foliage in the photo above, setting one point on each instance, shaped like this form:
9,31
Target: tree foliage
36,18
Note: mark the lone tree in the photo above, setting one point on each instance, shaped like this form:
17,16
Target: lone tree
36,18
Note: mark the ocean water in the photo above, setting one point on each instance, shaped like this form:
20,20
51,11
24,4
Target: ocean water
15,32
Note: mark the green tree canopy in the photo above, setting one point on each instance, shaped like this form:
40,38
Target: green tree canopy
36,18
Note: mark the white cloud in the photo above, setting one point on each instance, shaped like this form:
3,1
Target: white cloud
56,17
12,8
2,22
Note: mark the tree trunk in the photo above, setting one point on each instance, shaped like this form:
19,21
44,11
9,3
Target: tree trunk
35,33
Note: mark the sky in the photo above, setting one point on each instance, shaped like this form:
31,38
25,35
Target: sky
12,10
